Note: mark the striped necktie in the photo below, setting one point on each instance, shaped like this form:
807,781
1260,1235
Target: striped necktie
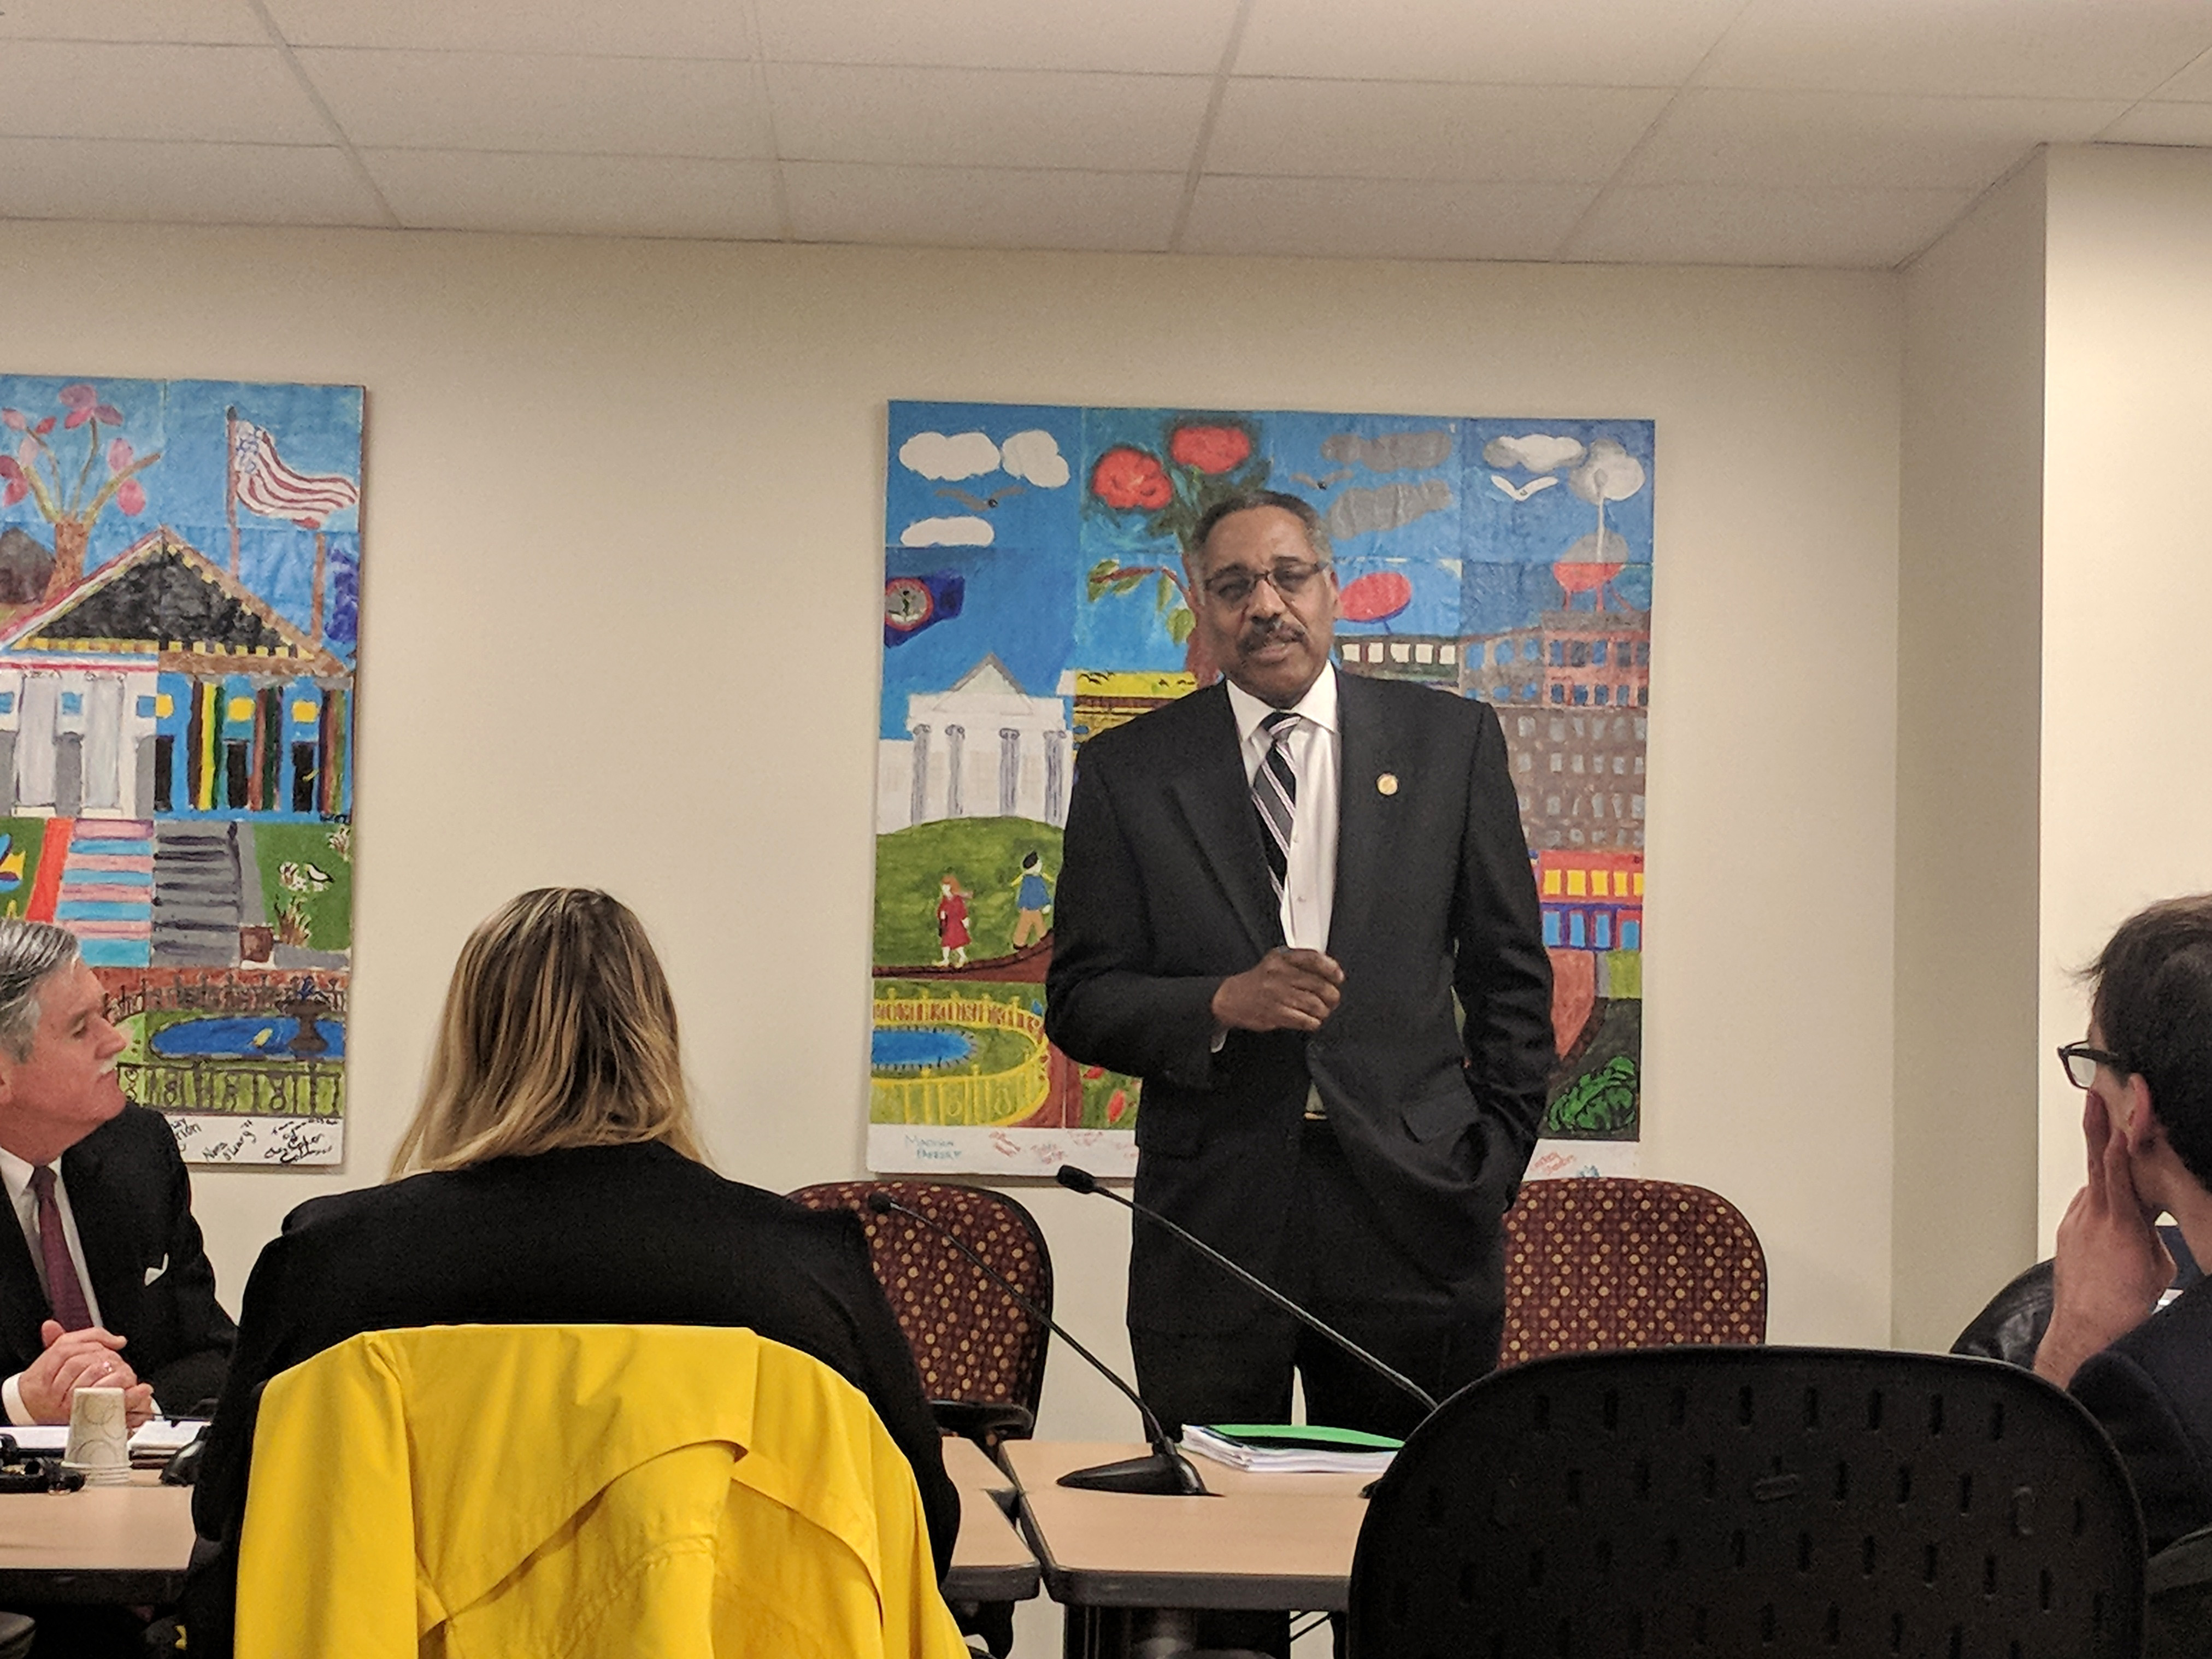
1275,794
65,1293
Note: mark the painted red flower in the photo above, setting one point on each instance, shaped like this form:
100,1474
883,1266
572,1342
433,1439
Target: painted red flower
118,455
1374,597
1211,448
83,404
1116,1105
14,418
44,427
1126,478
130,496
11,473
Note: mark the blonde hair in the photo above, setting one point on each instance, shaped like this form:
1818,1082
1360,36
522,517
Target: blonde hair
558,1031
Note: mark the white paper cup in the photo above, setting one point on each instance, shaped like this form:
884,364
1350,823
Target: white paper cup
99,1437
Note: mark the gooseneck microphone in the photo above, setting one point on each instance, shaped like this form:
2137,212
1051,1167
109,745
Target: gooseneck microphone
1082,1181
1165,1471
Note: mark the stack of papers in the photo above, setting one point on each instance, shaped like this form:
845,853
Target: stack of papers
1291,1448
156,1439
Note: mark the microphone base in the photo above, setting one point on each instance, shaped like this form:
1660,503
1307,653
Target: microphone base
1157,1474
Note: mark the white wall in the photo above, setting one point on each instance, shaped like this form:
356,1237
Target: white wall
620,622
2126,793
1970,615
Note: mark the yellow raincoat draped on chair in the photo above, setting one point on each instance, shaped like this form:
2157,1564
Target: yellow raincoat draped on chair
574,1492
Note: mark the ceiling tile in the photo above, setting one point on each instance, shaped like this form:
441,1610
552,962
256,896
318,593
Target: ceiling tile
1159,37
1618,43
590,106
1393,219
579,195
1850,139
2161,124
2190,85
1963,48
204,22
244,94
980,207
987,118
1371,130
182,184
644,28
1726,225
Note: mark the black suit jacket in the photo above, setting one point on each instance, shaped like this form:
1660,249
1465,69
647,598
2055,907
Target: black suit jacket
133,1204
1163,892
604,1234
2152,1389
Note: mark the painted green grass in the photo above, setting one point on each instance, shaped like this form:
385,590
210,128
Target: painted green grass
985,854
330,912
29,837
1602,1098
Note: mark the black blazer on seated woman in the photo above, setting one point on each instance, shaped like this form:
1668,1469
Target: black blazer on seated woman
610,1235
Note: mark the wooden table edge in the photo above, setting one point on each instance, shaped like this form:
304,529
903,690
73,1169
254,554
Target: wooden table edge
1091,1587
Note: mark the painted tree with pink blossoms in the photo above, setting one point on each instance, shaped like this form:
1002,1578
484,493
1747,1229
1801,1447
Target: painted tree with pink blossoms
66,492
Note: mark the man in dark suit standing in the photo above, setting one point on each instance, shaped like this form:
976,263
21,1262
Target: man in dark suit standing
1270,892
2144,1371
104,1281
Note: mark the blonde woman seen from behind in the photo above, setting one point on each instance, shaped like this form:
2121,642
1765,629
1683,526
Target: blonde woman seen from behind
552,1175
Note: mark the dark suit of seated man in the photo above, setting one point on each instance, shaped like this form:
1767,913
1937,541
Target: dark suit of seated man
2145,1371
104,1281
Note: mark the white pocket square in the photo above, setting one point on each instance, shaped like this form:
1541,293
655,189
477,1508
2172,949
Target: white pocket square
157,1271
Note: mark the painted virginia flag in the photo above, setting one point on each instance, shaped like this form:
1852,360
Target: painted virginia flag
266,485
914,603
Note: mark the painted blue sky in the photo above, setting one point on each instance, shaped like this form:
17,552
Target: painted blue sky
1408,495
317,429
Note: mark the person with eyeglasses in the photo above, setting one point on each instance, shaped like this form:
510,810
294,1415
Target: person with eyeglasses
1271,890
2146,1070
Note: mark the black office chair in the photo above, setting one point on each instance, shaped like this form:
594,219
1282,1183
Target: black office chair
1794,1501
2010,1328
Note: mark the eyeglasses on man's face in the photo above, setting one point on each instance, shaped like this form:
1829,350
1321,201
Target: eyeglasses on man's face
2081,1061
1235,588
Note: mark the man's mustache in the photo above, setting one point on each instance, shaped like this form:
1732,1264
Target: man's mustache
1268,629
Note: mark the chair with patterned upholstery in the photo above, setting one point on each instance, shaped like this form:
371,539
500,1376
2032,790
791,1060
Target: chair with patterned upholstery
1597,1263
981,1359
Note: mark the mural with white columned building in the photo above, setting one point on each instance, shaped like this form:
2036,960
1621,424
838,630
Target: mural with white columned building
983,748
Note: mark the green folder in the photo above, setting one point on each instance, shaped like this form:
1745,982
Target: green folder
1303,1436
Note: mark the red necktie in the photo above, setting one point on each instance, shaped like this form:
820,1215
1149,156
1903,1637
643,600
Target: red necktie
64,1291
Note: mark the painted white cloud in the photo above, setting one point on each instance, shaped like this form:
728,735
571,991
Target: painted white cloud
1035,457
1533,451
1610,474
946,533
962,455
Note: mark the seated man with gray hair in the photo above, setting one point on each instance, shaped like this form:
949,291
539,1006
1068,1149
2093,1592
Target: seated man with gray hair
104,1282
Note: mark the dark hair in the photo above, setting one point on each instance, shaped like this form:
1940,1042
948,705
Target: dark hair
1244,501
2153,1006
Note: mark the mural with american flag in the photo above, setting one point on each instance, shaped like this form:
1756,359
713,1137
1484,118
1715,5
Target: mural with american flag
179,576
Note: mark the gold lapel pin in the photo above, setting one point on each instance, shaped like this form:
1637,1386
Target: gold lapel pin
1387,784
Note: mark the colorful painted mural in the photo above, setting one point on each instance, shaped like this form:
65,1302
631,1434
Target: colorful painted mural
179,566
1033,595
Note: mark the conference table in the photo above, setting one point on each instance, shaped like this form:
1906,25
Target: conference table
124,1546
130,1545
1127,1569
1131,1570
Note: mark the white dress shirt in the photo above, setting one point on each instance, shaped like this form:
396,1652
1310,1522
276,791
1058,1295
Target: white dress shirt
15,1176
1309,880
